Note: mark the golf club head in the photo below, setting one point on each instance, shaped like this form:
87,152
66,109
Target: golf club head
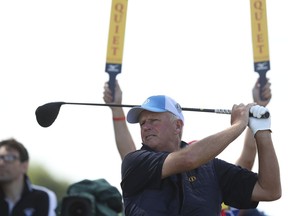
47,113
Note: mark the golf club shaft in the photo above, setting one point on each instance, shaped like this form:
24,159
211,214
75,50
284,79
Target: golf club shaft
220,111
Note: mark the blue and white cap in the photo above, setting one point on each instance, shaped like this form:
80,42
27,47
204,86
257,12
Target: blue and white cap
157,103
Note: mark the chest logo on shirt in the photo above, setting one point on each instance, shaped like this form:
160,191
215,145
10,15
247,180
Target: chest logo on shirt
29,211
192,178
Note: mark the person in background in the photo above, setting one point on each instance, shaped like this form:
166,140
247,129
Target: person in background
18,196
249,150
123,138
247,156
125,143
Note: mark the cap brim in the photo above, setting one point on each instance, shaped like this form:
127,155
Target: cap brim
134,113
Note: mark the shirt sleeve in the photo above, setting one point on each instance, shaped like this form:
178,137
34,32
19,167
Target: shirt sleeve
236,184
141,169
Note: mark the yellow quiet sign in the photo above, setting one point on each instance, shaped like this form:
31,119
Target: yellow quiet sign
259,30
116,32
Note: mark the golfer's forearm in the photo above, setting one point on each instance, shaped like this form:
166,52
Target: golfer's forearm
248,154
269,172
208,148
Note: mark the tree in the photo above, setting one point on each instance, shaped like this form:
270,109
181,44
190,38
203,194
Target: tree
40,176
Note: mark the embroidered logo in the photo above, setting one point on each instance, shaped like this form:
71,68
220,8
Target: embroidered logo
192,178
178,107
29,211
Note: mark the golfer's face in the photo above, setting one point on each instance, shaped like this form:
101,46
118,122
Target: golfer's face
157,129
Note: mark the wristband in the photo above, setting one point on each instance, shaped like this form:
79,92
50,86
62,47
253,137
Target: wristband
119,118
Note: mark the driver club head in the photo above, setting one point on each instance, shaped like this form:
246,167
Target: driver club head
47,113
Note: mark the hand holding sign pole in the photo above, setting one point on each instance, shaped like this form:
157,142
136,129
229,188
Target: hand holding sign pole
260,40
116,41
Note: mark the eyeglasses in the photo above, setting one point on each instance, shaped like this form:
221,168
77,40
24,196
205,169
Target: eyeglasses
8,158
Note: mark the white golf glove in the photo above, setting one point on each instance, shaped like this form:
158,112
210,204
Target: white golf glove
257,123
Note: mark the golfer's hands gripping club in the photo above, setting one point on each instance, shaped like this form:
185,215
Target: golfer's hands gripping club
256,123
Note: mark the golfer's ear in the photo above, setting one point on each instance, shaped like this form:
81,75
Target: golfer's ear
179,125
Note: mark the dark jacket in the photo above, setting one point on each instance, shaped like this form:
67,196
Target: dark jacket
35,201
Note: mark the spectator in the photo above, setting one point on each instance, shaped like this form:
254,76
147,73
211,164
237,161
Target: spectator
17,195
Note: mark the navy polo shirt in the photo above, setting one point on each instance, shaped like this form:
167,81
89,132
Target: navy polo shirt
198,192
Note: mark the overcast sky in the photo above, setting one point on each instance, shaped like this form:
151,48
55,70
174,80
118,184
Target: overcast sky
198,52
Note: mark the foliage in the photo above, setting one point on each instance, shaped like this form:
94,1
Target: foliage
39,175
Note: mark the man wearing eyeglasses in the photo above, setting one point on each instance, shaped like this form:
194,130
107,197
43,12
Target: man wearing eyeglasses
18,196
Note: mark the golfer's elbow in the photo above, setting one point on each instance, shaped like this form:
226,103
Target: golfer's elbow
276,191
274,194
267,194
277,194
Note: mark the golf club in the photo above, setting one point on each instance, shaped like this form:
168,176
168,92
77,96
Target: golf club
47,113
